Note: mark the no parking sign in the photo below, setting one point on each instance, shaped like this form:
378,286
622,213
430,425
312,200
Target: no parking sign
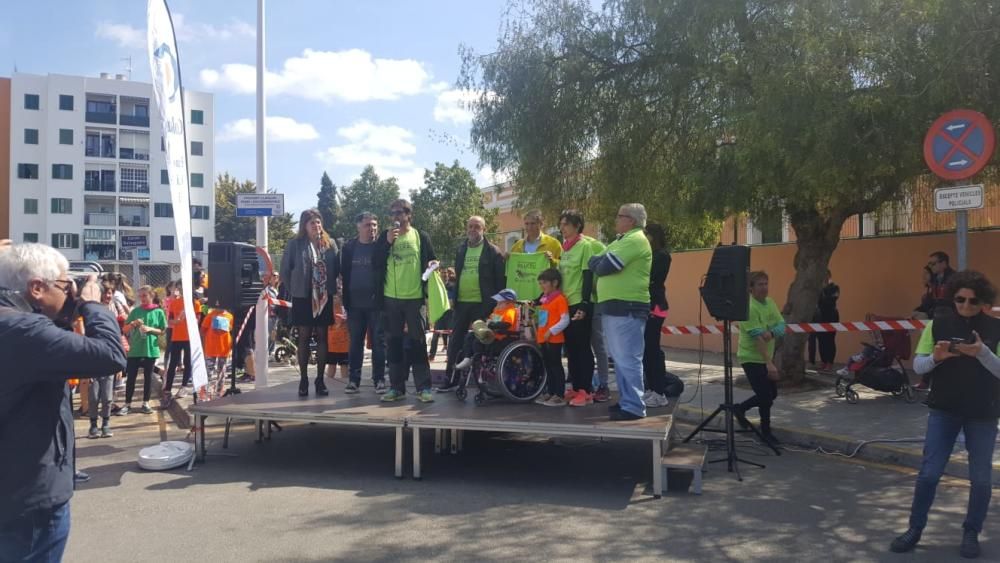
959,144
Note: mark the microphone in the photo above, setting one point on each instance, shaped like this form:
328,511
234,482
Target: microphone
395,224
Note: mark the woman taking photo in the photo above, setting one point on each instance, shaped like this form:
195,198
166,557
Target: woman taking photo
960,351
309,267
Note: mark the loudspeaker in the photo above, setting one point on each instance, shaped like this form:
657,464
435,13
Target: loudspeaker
234,275
726,292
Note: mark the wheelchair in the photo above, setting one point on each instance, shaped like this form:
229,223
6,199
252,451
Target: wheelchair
516,374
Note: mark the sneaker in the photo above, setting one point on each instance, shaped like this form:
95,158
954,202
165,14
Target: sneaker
647,393
906,542
555,401
581,399
540,400
569,394
602,395
124,410
94,433
392,396
182,393
106,432
655,400
619,415
80,477
380,387
146,409
351,388
425,396
970,544
446,388
465,364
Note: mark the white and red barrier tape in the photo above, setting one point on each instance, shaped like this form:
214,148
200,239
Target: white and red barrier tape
857,326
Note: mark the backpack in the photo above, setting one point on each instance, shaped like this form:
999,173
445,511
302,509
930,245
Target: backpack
221,323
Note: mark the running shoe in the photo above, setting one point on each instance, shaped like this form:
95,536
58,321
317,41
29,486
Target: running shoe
581,399
392,396
555,401
379,387
425,396
351,388
654,400
602,395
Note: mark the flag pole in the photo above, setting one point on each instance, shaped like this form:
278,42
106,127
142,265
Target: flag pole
261,334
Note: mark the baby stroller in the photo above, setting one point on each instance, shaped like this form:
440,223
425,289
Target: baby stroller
879,366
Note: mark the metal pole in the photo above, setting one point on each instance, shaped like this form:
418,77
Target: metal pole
135,268
962,231
261,332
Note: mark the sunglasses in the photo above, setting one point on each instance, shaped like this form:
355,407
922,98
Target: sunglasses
962,300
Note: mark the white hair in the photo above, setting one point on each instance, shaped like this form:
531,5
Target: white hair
477,219
636,211
25,262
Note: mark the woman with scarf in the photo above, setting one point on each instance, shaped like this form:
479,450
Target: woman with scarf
310,269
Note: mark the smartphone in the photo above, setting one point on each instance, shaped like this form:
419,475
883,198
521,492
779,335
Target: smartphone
954,341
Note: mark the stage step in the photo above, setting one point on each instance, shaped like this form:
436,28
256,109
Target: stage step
685,456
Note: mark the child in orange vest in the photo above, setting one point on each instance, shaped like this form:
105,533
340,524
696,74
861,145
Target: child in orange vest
338,341
217,337
553,318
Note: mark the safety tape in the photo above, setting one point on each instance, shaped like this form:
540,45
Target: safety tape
858,326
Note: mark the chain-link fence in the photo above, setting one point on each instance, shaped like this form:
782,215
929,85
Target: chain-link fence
155,275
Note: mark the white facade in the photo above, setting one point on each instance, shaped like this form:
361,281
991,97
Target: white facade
99,164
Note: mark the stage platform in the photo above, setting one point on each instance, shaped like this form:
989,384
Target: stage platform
447,413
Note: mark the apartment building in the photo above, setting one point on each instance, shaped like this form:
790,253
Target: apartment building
86,170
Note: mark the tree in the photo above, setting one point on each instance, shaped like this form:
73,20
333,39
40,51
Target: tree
442,207
367,193
815,110
230,228
327,203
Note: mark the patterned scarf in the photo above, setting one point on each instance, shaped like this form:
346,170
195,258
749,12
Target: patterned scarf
319,296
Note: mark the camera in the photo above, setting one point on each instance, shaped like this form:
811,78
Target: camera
956,341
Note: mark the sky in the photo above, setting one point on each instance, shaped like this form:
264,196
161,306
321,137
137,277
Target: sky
349,83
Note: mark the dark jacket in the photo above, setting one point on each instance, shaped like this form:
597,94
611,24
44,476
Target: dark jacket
492,269
962,386
826,307
935,300
36,419
346,269
658,278
296,273
381,258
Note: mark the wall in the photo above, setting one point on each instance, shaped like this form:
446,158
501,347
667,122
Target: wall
876,275
4,158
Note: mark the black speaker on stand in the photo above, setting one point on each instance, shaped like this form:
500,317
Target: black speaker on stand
726,293
234,284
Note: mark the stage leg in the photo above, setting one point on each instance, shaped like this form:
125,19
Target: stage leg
399,452
225,436
416,454
454,441
201,432
657,470
260,432
461,439
437,440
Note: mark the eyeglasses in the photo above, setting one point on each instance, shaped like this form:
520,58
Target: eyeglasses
64,288
963,300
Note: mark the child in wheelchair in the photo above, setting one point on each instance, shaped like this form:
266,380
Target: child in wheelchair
488,337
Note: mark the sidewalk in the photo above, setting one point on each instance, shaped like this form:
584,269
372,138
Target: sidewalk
817,418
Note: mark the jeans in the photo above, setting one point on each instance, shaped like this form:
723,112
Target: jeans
132,366
980,439
465,314
556,377
101,392
600,351
405,314
623,337
38,536
359,322
579,354
178,349
765,392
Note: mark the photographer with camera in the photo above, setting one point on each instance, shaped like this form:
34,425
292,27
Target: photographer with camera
38,353
959,348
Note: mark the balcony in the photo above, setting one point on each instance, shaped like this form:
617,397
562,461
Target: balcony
100,117
99,251
99,144
133,154
99,181
100,235
135,112
133,212
134,120
99,219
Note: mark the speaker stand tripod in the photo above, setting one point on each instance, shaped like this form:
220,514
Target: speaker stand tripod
727,409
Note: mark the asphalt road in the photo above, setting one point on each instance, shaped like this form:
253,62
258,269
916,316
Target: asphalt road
317,493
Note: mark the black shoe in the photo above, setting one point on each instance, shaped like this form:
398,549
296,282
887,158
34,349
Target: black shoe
81,477
615,408
740,414
304,387
970,544
321,387
623,415
907,541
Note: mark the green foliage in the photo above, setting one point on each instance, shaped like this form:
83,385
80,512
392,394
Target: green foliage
442,207
327,203
367,193
229,227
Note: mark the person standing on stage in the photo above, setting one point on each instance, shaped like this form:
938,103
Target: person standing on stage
401,254
522,271
309,267
658,380
578,288
479,273
756,354
622,273
362,294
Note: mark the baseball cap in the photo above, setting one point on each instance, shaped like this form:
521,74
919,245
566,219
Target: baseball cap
506,295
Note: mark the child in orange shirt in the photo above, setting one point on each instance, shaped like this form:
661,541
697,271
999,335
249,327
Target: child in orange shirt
503,321
338,341
553,318
217,337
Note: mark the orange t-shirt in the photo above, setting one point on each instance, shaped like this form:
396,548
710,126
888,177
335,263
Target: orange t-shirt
505,312
218,343
548,315
175,312
338,338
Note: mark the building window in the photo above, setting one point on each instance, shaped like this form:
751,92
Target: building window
197,117
30,237
62,171
163,210
166,242
164,177
65,240
135,180
27,171
31,207
197,180
197,244
197,148
31,136
31,101
62,205
65,102
65,136
199,212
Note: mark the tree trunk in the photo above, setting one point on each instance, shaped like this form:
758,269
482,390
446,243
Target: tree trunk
817,237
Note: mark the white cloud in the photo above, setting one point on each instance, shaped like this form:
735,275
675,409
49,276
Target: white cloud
279,129
123,34
408,180
486,177
129,36
455,106
382,146
352,75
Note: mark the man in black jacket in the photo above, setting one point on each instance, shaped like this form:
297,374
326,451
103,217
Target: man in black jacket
401,255
361,294
482,264
36,420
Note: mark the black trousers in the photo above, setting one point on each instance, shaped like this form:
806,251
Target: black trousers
464,315
765,392
444,323
556,377
827,347
405,314
579,354
132,366
654,365
178,349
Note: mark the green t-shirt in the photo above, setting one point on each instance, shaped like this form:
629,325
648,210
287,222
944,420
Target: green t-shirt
763,317
145,345
926,343
522,273
631,283
403,270
572,265
468,284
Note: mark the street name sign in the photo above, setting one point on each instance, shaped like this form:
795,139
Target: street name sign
260,205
